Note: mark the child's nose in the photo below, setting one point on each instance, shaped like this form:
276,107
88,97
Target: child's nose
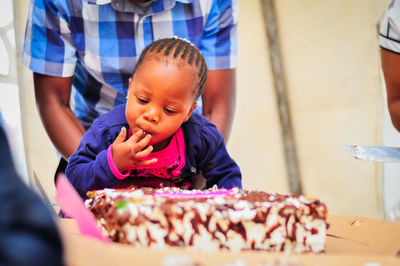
152,115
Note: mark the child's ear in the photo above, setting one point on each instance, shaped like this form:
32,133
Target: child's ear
194,105
130,83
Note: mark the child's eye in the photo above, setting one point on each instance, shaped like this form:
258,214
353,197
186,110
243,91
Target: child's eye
141,100
169,111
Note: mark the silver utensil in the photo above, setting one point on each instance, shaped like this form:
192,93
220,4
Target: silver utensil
374,153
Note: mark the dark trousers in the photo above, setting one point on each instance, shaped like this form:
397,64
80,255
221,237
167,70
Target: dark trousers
62,165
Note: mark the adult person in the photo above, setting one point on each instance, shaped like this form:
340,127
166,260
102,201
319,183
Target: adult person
389,41
28,234
89,48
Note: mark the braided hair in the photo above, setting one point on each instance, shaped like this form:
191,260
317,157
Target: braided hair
178,49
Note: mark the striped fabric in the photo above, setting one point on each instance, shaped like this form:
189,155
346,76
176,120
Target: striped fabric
389,31
99,41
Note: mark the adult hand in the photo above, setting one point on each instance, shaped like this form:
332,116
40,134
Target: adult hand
219,98
52,99
391,71
130,153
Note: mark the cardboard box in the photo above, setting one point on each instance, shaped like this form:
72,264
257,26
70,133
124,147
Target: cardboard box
350,241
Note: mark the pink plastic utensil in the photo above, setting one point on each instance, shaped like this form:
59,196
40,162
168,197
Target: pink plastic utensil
72,205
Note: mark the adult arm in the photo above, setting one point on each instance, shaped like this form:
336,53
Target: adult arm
219,47
391,71
50,52
52,100
219,99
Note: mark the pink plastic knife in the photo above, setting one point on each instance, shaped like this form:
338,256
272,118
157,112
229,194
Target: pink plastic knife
73,206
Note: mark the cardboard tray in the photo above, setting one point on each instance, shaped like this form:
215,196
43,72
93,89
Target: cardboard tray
350,241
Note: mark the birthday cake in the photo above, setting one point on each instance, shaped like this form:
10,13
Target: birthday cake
213,219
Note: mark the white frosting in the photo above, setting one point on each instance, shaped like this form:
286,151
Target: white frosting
239,215
142,235
130,233
187,226
157,234
133,210
255,233
219,200
204,240
235,241
146,210
202,209
177,225
287,219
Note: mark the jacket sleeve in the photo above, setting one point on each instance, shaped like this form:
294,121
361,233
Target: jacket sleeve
217,166
88,167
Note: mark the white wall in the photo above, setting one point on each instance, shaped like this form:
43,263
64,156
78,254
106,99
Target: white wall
10,113
331,57
41,157
255,142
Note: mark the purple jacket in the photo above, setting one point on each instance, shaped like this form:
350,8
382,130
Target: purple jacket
205,151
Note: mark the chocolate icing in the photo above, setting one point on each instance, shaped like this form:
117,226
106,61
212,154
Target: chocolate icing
212,219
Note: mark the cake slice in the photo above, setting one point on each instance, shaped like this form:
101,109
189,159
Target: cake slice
211,219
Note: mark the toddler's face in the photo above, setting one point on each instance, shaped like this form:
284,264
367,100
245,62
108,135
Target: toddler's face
160,99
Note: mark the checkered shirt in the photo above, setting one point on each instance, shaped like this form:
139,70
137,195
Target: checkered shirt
99,41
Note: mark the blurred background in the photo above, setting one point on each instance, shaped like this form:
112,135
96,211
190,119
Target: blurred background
328,55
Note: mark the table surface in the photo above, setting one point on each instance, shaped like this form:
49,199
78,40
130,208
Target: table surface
350,241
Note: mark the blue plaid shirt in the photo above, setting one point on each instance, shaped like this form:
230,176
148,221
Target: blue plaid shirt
99,41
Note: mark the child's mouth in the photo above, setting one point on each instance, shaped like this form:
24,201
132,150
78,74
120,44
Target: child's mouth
145,133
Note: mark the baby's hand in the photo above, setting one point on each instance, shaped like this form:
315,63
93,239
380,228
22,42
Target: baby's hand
128,154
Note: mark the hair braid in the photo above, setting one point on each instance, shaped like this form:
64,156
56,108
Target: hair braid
178,49
191,55
168,48
172,48
185,51
198,59
163,43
